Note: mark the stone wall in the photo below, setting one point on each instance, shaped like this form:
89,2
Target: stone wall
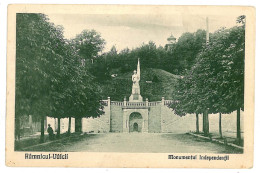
161,120
116,118
228,123
97,125
172,123
154,123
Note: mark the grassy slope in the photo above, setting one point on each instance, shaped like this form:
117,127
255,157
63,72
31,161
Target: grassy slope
121,85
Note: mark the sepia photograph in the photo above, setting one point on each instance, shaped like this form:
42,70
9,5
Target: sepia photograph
172,81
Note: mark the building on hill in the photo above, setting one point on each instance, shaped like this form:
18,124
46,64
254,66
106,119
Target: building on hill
135,115
171,41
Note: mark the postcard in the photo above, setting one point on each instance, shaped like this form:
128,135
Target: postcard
146,86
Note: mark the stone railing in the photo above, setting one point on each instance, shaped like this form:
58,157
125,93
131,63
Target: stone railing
132,104
168,102
153,103
117,103
136,104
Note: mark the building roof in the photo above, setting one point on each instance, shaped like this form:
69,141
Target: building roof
171,38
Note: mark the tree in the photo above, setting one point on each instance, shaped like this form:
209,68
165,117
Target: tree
84,95
188,96
65,81
225,56
186,50
113,50
35,68
215,84
50,79
89,44
220,125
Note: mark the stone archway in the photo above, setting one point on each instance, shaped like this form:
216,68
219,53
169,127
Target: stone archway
139,116
135,122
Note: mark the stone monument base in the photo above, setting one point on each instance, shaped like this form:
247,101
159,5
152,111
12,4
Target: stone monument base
135,98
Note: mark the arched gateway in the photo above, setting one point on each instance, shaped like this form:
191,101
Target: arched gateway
135,122
132,116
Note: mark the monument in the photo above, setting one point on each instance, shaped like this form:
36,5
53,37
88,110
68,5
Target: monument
136,95
133,115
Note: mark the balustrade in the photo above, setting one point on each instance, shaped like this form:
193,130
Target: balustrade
137,104
168,102
117,103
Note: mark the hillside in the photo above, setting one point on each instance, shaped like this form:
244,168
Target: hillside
154,84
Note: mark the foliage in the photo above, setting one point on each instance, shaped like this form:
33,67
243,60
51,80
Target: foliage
38,48
179,58
186,49
216,82
50,79
154,84
88,44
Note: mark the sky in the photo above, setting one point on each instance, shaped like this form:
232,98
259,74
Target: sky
133,30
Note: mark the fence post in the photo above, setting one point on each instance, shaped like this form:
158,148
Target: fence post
162,100
124,101
146,102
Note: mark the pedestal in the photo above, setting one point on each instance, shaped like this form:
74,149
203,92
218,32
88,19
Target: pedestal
135,98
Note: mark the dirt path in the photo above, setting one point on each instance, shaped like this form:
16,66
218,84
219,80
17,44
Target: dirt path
136,142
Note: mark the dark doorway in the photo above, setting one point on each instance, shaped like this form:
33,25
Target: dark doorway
135,122
135,127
